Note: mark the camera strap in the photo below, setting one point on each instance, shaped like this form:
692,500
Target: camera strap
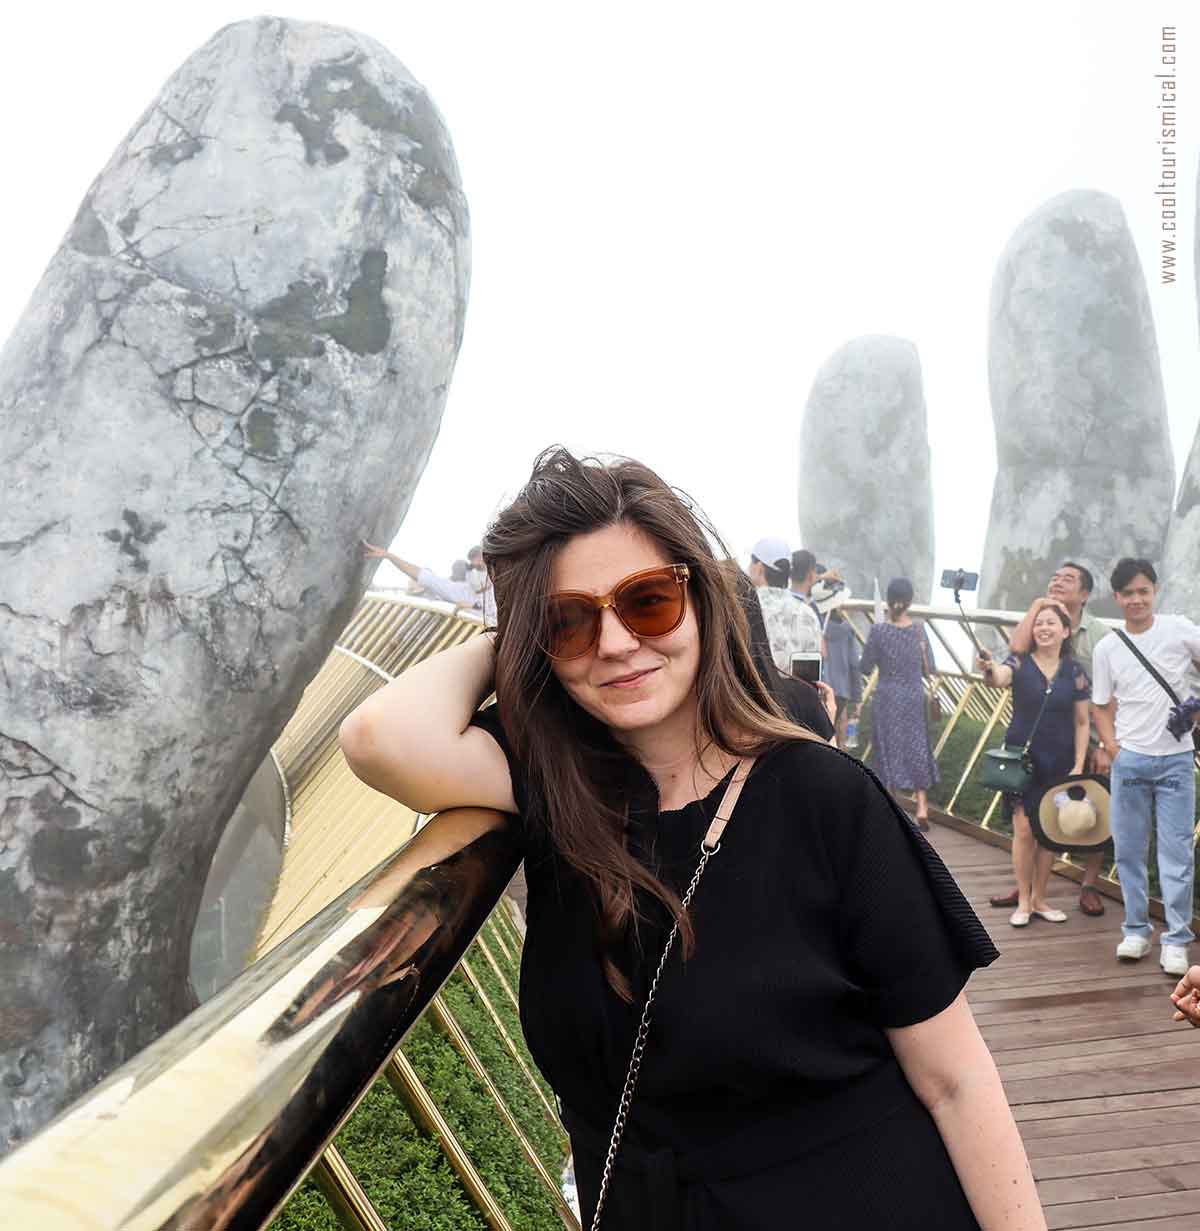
1148,665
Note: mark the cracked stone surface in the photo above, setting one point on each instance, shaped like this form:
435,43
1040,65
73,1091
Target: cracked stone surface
1180,575
232,370
1084,464
866,492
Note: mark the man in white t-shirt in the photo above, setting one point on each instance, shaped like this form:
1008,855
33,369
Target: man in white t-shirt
1153,771
792,627
473,593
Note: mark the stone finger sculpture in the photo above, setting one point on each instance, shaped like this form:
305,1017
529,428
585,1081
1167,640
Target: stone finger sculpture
1084,463
233,369
1180,573
866,495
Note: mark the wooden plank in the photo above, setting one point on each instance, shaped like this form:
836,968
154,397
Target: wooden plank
1109,1138
1151,1117
1109,1062
1170,1223
1100,1105
1119,1184
1100,1161
1121,1210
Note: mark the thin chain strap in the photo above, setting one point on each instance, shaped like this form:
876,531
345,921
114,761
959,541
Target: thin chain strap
709,846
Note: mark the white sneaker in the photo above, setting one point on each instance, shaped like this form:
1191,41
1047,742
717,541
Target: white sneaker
1134,947
1174,959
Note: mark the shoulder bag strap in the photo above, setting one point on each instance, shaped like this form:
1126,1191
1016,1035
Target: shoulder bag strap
1148,665
709,846
1045,702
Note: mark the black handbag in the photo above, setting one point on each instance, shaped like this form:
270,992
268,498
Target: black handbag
1158,679
1010,769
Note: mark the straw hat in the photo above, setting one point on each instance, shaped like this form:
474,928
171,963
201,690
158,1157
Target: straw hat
1074,814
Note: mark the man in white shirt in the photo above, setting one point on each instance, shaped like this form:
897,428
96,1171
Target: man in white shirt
1153,771
473,594
792,627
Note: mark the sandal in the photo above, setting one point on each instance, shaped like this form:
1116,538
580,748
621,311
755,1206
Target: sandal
922,823
1051,915
1090,902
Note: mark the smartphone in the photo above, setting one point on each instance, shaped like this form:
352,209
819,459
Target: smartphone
957,579
807,666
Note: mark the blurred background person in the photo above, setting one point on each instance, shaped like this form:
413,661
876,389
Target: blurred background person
810,705
842,661
470,592
901,753
1050,704
792,627
803,576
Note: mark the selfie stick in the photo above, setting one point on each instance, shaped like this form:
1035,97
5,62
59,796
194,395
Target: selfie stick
958,578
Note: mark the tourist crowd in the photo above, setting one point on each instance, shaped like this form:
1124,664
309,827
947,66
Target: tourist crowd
1100,741
1098,765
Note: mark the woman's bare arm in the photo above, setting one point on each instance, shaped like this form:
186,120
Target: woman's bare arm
952,1072
995,674
413,740
1083,733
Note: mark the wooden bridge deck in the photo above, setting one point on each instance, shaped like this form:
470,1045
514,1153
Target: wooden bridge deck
1104,1085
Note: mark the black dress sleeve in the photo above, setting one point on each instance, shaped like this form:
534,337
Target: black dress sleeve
488,720
910,938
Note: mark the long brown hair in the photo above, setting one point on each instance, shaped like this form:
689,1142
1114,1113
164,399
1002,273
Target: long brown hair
572,760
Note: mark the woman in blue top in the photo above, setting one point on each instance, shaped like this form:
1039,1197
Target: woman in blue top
1060,742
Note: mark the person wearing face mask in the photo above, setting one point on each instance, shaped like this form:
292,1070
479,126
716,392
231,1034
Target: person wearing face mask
816,1042
472,593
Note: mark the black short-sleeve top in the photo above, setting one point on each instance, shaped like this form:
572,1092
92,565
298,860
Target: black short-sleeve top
824,918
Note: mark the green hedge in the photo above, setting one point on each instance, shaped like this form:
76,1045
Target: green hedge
404,1173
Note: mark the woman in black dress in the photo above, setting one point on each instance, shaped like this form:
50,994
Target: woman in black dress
1049,675
811,1058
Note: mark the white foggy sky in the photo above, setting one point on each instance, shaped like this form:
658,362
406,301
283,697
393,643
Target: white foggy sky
680,210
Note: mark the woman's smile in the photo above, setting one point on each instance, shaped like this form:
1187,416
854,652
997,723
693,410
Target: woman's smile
632,680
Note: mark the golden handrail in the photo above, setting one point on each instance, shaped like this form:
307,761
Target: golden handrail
213,1125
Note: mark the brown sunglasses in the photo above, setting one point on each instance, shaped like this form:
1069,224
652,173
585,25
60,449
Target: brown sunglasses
650,603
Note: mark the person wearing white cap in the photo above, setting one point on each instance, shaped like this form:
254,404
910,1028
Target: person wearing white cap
792,627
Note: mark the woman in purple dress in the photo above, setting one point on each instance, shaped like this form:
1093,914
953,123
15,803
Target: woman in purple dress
899,731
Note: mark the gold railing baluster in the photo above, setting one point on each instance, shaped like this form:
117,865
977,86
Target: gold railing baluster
402,1077
489,957
477,987
346,1196
954,717
979,747
494,930
444,1019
